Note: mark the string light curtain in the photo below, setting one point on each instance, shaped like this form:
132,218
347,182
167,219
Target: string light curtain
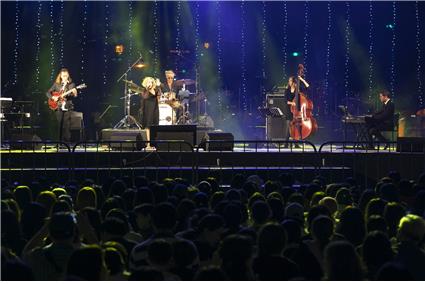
155,39
328,56
419,57
52,42
285,39
393,46
83,42
218,13
61,38
178,47
263,50
347,50
130,33
306,35
37,43
105,46
16,49
371,59
243,55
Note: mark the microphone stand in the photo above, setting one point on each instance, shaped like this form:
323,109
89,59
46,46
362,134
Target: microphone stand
128,119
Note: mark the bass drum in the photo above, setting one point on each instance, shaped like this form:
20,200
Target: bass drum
167,115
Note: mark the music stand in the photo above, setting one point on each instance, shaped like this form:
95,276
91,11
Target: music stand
273,112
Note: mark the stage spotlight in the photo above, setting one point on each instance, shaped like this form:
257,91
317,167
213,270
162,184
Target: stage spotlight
389,26
119,49
295,54
140,65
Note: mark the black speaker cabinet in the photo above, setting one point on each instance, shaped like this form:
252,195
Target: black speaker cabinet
136,138
411,144
186,133
218,141
26,139
275,125
76,126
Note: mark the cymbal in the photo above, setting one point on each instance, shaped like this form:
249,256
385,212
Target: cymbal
133,86
186,82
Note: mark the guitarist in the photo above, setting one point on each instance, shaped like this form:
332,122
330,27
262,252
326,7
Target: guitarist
63,83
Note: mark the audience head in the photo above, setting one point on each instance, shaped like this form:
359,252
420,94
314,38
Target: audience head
277,209
393,271
235,252
160,254
271,239
411,229
117,188
293,231
260,212
185,254
62,227
375,206
376,223
322,229
32,219
164,217
341,262
376,251
330,203
295,211
47,199
23,195
352,225
393,213
88,263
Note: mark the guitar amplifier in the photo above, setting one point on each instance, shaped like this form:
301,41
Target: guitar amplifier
275,126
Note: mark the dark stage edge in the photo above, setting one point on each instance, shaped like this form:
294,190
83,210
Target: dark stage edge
334,164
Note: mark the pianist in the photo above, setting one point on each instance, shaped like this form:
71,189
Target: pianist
382,120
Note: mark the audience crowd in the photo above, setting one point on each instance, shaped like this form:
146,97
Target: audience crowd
139,229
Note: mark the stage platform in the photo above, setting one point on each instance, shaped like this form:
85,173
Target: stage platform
336,161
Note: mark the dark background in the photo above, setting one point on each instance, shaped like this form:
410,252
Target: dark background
85,42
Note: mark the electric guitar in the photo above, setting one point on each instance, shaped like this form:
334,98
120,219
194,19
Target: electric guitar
54,104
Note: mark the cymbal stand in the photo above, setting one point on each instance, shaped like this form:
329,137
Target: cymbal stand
128,120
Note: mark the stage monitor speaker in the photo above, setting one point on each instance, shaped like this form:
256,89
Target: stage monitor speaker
185,133
275,125
218,141
411,144
136,138
25,137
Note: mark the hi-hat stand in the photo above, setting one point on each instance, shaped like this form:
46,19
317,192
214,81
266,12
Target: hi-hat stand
128,120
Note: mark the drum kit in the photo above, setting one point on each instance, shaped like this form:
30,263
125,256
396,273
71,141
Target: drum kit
170,103
173,108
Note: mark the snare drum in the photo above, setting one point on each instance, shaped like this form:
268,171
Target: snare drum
167,115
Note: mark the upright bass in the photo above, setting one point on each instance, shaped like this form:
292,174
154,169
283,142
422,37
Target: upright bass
303,123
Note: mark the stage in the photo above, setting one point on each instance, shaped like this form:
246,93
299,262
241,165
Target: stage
334,160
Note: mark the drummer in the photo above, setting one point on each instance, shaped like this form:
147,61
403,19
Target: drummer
170,89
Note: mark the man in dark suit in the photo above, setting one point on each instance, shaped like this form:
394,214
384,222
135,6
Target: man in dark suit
382,120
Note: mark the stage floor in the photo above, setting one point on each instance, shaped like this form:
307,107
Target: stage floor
239,148
336,161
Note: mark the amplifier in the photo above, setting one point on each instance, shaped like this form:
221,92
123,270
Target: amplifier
275,126
185,133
